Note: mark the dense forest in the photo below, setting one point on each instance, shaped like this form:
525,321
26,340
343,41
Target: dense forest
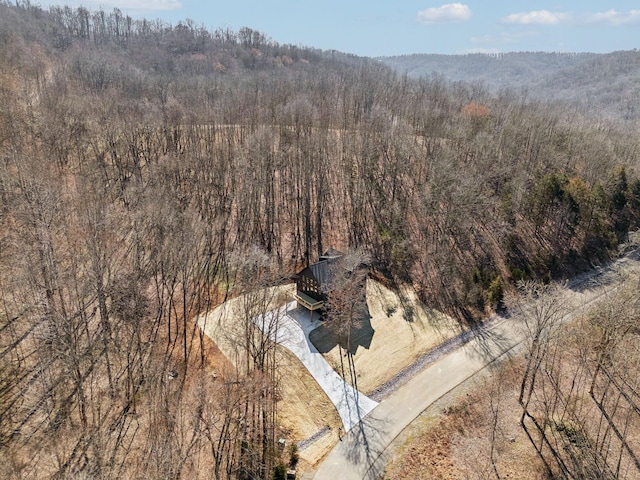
149,171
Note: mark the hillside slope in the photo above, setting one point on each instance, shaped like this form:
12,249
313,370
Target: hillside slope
601,84
151,172
504,70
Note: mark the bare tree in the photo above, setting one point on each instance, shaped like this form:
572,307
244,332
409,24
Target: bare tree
347,303
576,393
258,312
542,310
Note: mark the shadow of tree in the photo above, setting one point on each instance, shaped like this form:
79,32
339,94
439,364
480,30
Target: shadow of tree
490,343
361,335
365,446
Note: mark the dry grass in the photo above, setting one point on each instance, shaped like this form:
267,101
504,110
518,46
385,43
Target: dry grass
404,330
452,438
304,408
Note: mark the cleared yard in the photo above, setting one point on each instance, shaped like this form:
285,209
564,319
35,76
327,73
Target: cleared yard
304,408
403,330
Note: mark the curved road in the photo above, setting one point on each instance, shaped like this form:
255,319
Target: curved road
361,453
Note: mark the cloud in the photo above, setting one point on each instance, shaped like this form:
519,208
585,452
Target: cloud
613,18
538,17
451,12
610,18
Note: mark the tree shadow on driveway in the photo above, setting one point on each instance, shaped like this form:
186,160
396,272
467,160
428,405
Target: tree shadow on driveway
490,343
361,335
365,445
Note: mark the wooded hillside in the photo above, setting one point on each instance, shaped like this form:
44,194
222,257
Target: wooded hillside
499,70
600,85
141,162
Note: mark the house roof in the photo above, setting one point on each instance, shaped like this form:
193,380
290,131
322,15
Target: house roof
331,254
320,270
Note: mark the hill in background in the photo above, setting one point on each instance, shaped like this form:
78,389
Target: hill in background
601,84
150,172
494,70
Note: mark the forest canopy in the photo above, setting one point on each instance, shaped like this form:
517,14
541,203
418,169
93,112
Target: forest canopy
140,160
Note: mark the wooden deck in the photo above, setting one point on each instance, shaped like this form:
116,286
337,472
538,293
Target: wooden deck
307,302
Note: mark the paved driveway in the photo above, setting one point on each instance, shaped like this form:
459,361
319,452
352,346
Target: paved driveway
293,331
361,454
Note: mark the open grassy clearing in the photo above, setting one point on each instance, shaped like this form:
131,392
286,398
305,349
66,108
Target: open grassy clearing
404,330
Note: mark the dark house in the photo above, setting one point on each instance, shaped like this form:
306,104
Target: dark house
312,282
312,285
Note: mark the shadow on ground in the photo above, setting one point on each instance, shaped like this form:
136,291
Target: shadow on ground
361,335
366,447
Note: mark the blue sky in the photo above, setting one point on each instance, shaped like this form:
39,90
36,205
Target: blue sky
395,27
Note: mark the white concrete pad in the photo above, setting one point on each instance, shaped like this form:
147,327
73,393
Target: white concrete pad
293,333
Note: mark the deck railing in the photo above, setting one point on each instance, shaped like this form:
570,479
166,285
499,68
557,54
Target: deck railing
307,302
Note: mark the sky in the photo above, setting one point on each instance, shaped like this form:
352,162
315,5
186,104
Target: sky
395,27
